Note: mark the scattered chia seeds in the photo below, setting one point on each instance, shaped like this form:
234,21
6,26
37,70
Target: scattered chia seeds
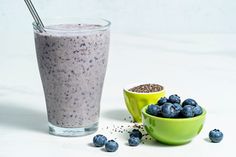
125,129
147,88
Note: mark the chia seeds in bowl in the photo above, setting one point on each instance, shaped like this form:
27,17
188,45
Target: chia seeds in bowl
146,88
137,96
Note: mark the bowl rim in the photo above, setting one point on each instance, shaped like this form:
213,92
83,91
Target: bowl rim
173,119
127,87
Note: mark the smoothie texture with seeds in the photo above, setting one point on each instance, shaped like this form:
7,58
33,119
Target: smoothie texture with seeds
72,66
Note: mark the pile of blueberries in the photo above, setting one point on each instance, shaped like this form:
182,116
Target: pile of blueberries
172,108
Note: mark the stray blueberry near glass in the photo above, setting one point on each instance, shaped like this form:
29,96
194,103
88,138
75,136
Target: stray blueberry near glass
134,141
99,140
111,146
136,133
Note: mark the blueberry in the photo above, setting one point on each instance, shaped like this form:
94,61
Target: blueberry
187,111
111,146
177,108
136,133
189,101
153,110
162,101
99,140
168,110
215,135
174,99
197,110
134,141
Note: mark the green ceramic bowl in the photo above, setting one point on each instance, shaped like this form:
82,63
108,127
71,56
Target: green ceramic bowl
173,131
136,101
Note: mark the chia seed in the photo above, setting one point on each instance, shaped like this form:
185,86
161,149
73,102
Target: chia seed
125,129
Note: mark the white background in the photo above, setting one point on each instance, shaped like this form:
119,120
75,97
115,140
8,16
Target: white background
136,16
186,45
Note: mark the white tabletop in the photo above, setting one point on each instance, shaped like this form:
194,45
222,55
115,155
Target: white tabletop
201,66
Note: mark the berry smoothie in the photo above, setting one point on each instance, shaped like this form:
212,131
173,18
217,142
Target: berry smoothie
72,60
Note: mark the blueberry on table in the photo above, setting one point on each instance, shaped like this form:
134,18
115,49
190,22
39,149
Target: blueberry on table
134,141
189,101
197,110
136,133
111,146
99,140
187,111
215,135
153,110
174,99
162,101
168,110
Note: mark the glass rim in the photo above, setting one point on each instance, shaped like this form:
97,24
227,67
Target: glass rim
106,25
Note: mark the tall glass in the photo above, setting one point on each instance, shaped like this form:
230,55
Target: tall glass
72,58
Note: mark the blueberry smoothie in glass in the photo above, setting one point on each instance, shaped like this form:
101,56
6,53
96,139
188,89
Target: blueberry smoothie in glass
72,60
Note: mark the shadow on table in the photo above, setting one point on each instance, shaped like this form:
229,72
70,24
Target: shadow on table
117,114
207,140
17,117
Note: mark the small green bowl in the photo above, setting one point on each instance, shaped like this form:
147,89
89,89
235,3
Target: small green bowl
136,101
173,131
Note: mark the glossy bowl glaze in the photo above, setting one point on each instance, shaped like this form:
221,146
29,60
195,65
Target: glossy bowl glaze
173,131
